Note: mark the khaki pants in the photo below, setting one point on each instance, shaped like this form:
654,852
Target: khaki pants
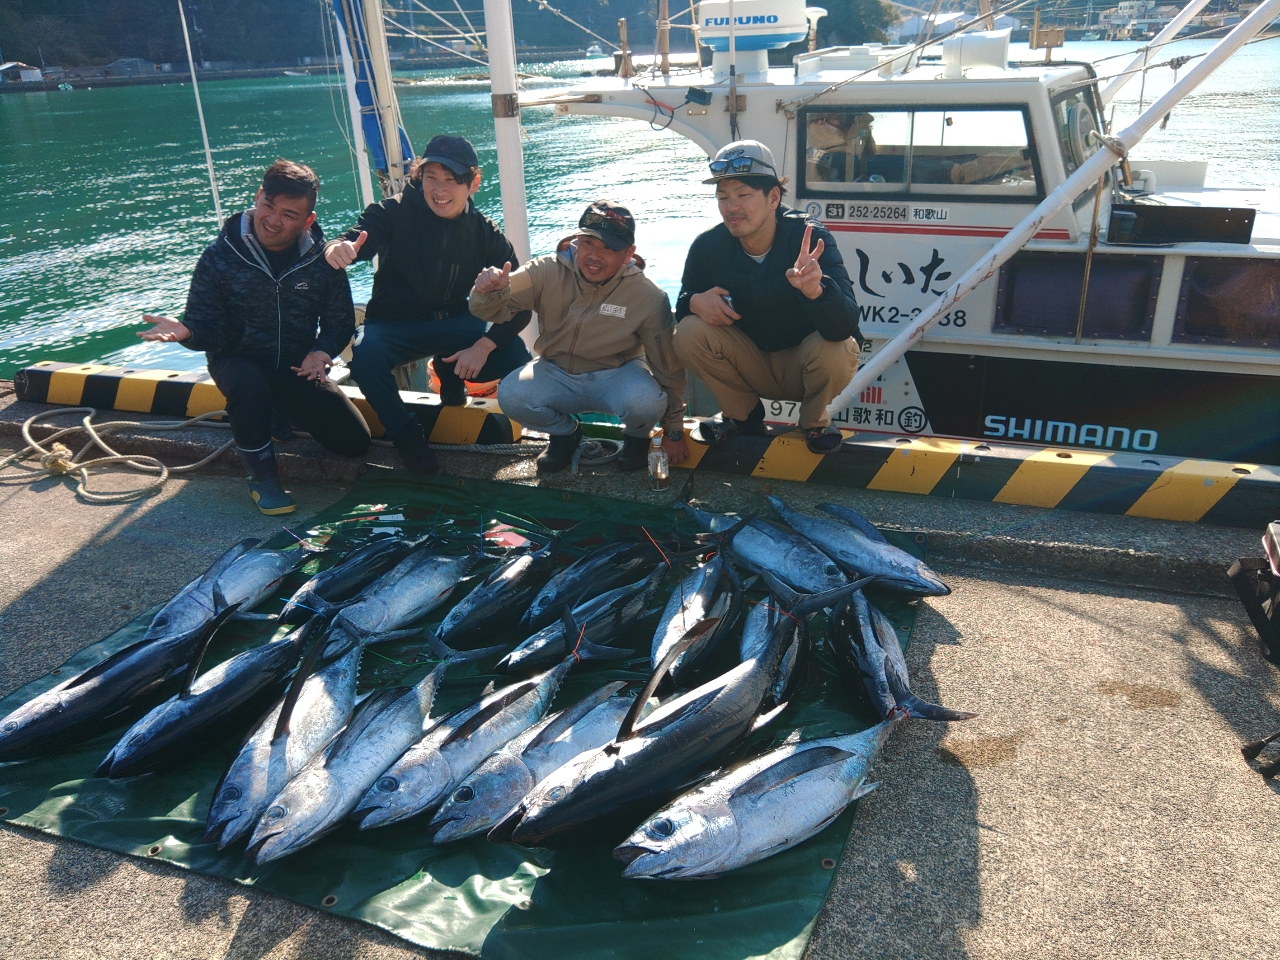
739,373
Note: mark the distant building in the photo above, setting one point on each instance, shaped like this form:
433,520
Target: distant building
130,67
14,72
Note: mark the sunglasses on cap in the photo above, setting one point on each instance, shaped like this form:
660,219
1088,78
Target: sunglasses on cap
742,165
608,218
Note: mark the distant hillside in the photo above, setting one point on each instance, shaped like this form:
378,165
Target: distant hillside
78,32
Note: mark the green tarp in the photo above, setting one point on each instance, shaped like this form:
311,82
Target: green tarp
472,896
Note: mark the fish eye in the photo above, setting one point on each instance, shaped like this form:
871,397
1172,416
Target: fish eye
276,813
662,827
831,570
556,793
230,795
11,726
388,784
463,795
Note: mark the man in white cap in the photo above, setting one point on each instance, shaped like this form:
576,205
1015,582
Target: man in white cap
766,305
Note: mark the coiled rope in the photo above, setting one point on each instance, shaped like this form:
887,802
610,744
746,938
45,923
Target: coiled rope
57,460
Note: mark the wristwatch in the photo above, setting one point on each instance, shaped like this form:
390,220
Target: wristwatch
673,435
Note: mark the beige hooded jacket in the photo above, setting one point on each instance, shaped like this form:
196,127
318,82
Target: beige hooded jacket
585,326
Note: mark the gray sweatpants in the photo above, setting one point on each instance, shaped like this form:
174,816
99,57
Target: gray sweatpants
541,395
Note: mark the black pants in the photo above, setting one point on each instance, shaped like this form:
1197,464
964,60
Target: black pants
322,410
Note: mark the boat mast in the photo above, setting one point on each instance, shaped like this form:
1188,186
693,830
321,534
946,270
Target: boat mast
1085,176
506,122
357,128
1108,93
370,76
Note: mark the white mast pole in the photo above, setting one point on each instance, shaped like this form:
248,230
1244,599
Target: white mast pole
1107,93
506,122
357,127
501,43
384,97
1086,174
204,132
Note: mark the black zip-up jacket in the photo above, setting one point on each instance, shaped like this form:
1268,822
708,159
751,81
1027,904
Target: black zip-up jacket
427,264
236,307
775,315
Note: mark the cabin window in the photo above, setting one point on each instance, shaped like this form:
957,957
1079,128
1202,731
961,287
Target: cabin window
1077,127
960,153
1230,301
1039,294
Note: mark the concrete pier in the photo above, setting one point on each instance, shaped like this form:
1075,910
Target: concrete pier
1097,807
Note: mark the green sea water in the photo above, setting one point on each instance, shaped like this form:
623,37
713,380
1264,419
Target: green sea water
105,203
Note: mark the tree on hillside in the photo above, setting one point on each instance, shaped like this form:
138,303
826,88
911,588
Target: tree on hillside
855,21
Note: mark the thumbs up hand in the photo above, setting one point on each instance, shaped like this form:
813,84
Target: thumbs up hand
492,279
344,253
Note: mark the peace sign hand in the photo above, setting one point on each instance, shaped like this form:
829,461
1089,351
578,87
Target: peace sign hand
806,275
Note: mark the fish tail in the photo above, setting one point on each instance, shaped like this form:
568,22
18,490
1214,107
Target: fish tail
924,710
443,651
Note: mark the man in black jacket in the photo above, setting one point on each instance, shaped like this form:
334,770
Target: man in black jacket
431,243
766,311
257,297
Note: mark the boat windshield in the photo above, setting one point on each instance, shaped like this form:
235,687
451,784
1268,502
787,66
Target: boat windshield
957,152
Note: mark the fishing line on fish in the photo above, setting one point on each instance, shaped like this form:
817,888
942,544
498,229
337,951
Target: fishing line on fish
57,460
769,606
661,553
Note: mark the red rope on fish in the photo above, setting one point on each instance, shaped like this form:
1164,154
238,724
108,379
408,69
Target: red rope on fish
670,565
769,606
574,652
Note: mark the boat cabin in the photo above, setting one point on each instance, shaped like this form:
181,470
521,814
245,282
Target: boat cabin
919,164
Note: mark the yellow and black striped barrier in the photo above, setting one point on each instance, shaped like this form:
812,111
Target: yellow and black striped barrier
171,394
1074,478
1133,484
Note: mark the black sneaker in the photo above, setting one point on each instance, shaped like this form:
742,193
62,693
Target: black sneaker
822,440
722,428
415,452
559,452
635,453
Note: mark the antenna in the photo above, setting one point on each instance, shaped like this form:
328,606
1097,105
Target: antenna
204,133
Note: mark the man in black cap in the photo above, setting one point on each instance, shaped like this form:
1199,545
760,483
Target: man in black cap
766,305
604,341
431,243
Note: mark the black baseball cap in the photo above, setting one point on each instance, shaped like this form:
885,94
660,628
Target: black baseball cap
610,223
456,153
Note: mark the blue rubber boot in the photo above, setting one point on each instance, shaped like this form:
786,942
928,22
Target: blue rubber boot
264,481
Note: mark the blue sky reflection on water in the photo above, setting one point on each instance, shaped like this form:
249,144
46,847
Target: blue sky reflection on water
107,204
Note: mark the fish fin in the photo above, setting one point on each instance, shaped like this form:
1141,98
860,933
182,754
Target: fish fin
790,598
443,651
924,710
765,719
749,583
587,650
816,601
369,710
793,736
107,664
864,789
490,710
855,520
692,635
393,635
209,629
489,688
796,765
305,669
570,715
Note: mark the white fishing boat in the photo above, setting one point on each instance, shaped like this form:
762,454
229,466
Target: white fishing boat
920,165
